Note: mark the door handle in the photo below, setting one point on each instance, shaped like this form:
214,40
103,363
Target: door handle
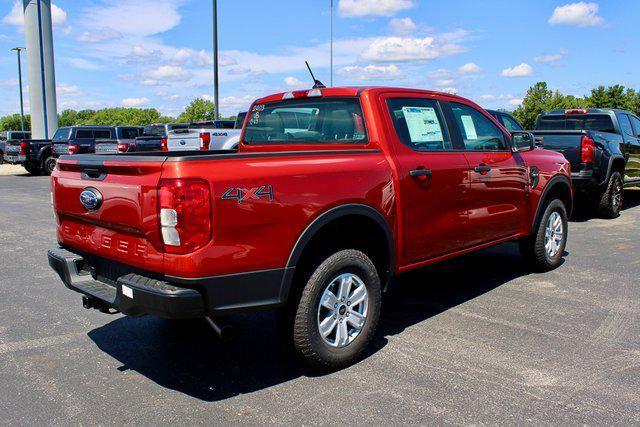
482,169
417,173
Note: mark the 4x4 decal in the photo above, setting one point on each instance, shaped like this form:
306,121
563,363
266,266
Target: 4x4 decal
242,194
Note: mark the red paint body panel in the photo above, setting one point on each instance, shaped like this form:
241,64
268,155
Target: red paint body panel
456,211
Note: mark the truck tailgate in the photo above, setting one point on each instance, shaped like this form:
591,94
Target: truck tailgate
125,226
184,141
566,142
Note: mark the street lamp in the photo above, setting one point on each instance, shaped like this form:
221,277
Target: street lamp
19,50
215,59
331,42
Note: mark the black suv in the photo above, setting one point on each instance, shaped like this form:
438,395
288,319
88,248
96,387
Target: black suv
80,139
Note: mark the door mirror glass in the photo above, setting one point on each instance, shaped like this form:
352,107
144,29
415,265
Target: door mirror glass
523,141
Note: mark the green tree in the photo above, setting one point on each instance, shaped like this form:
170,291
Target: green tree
533,104
13,122
199,109
599,98
68,118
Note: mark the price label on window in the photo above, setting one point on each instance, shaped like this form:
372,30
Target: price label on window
423,124
469,128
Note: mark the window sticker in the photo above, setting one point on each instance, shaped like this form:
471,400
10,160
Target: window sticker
423,124
469,127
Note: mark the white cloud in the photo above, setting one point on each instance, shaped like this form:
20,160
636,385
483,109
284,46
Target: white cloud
441,73
522,70
555,57
134,18
365,8
100,35
169,73
64,89
16,17
293,82
135,102
445,82
581,14
470,68
85,64
402,26
234,104
371,72
397,49
451,90
488,97
515,102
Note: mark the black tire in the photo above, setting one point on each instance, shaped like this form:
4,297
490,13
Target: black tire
533,248
1,158
308,343
610,203
33,169
48,165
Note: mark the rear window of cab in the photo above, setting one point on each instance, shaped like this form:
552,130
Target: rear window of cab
307,121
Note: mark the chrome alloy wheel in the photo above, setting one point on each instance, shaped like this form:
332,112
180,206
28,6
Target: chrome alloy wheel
616,196
554,233
342,311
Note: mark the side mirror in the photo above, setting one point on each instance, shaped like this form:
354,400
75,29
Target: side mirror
523,141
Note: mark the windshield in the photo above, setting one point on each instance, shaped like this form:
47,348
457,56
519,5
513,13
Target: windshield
594,122
311,120
61,135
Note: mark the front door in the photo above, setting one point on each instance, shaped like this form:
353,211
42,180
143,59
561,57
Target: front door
433,179
498,177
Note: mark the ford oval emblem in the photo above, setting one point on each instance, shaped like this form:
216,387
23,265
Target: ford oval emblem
183,142
91,199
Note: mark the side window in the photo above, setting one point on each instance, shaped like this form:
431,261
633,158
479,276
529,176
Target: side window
129,133
625,125
478,132
419,124
84,133
510,124
636,125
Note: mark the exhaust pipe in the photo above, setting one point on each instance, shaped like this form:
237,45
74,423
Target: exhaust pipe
225,332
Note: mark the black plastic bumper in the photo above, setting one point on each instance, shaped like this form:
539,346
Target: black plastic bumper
132,294
584,180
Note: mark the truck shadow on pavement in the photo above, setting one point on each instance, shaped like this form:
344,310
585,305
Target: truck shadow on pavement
187,357
584,211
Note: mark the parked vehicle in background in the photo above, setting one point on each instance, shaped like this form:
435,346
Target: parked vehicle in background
333,192
603,146
154,137
207,135
80,139
507,120
240,120
34,155
11,136
125,141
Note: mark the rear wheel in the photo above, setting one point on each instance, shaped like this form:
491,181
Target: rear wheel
338,311
610,203
33,168
49,165
545,248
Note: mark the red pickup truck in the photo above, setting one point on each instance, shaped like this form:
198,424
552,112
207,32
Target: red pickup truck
332,193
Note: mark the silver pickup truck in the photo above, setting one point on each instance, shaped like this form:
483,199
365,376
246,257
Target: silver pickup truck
210,135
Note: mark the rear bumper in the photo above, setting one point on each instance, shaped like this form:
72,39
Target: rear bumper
584,180
138,293
14,159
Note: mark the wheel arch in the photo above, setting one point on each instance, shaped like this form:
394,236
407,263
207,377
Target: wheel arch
356,217
558,186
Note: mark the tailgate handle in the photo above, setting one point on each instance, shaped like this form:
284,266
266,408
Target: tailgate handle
94,174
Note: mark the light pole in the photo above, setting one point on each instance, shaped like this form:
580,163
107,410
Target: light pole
331,42
19,50
215,59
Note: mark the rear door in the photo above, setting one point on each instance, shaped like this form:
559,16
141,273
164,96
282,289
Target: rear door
498,178
433,177
633,163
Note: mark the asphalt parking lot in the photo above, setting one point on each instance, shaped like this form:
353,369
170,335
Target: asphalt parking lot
476,340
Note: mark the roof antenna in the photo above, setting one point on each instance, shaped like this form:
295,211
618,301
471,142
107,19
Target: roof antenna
317,84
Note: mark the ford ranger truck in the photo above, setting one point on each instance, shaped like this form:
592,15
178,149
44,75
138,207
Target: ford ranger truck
603,147
313,218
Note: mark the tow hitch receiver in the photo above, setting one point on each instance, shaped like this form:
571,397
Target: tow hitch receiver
95,303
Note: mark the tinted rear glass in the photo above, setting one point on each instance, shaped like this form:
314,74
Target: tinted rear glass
154,130
20,135
61,135
240,120
128,133
178,127
595,122
312,120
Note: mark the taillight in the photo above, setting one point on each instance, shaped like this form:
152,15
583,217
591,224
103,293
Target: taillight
587,150
205,141
123,147
185,214
24,146
576,111
163,144
73,148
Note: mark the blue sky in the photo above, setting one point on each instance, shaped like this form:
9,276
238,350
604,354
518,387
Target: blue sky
157,53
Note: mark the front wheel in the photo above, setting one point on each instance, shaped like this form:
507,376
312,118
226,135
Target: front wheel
337,314
545,248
